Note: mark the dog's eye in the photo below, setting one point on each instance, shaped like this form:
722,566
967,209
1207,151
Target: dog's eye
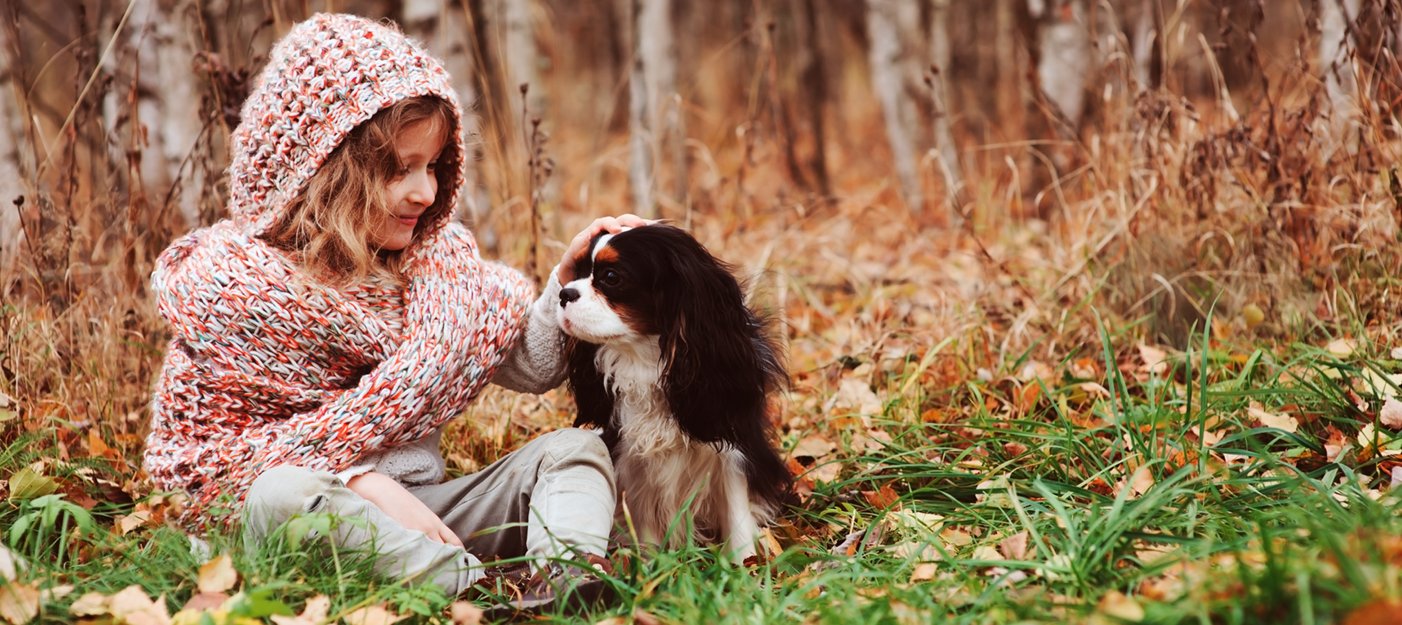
610,277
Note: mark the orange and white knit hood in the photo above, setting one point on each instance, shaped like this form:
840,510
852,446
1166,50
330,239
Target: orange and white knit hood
328,75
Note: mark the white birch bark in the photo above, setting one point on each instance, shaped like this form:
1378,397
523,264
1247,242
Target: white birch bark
516,32
1336,63
651,91
164,122
1142,52
1065,55
940,58
11,173
179,122
888,56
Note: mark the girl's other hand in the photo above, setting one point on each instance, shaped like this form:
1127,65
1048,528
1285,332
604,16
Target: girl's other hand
402,506
580,245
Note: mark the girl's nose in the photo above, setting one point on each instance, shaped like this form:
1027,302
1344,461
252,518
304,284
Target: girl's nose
424,188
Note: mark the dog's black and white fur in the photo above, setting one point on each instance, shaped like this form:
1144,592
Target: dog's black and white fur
666,359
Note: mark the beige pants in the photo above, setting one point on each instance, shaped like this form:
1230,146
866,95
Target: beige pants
555,496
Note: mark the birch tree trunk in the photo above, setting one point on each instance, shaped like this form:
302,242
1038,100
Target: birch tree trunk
651,88
162,123
1142,48
11,138
939,88
519,57
1335,60
889,57
1065,55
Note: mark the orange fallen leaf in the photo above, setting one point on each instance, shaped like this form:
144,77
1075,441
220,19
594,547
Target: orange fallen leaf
218,575
883,498
19,603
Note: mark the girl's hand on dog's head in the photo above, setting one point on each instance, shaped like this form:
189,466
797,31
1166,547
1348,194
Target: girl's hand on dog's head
580,245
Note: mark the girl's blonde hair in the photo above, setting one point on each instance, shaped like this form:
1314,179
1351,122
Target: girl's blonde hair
327,226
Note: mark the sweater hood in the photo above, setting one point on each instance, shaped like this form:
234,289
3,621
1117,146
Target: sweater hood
328,75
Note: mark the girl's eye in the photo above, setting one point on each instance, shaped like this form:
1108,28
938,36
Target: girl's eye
433,166
610,278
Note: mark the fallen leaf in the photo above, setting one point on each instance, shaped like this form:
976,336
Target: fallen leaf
11,565
883,498
218,575
28,483
813,446
826,471
987,553
1342,348
202,601
54,593
1397,353
133,521
1015,547
1155,359
130,600
1094,388
319,606
641,617
464,613
97,448
372,615
955,537
1141,481
1376,612
19,603
854,395
1391,414
924,572
1279,422
1117,605
90,604
1253,315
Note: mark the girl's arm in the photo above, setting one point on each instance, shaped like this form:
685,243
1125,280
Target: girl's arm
537,362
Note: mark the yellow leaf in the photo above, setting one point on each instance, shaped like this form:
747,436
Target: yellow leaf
130,600
218,575
28,483
11,565
1116,604
372,615
133,521
985,552
1279,422
464,613
955,537
813,446
19,603
90,604
1342,348
1141,481
924,572
1154,359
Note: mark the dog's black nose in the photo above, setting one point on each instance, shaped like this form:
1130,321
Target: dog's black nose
568,295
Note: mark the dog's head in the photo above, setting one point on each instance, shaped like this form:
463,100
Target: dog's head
718,366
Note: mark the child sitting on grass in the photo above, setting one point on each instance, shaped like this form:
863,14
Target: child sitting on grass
327,332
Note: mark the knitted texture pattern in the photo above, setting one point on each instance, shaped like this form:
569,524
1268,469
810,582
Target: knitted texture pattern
269,366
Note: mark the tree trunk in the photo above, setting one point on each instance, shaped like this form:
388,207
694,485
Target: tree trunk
939,92
517,32
651,88
813,77
11,138
1142,48
1064,62
1336,62
179,123
889,56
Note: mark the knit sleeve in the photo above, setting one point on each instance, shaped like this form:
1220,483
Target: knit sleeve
537,361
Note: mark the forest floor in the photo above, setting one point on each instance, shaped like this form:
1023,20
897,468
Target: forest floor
1132,411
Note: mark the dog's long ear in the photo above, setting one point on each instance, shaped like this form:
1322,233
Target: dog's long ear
591,397
719,366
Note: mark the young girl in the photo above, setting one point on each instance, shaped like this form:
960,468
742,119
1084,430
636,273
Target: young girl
327,331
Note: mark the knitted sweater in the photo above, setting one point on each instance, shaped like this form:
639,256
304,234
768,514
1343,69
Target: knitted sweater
269,366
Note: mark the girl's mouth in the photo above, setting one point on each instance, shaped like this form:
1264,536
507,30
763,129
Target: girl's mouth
409,221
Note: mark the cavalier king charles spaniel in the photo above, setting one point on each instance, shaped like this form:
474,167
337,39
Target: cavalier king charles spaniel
668,361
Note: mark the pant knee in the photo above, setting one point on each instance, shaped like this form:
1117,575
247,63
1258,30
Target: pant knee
576,444
282,492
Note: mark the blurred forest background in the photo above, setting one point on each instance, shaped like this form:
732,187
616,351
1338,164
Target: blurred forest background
890,173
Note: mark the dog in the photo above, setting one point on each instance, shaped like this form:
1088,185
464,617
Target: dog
678,373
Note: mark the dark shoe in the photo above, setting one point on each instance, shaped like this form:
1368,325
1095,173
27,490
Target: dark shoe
568,589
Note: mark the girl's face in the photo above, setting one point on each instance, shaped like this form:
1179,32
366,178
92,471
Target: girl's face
413,190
